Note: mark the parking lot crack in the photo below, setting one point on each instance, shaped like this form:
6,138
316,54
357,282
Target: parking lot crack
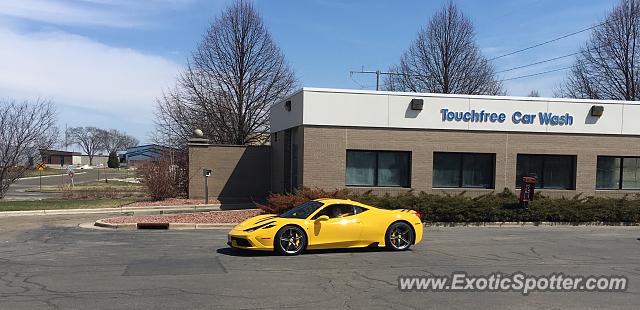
10,283
375,280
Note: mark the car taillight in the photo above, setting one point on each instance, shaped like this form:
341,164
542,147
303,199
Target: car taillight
418,214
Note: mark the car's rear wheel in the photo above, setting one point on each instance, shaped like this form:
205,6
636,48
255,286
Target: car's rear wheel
290,240
399,236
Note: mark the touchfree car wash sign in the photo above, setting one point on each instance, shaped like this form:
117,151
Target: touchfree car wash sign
482,116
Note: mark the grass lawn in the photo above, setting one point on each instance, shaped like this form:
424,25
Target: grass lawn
51,204
48,171
51,171
111,183
119,186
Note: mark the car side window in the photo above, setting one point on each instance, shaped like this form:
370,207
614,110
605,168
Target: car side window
336,211
358,209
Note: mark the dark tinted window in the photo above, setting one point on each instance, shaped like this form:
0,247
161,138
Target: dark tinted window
302,211
378,168
618,172
551,171
336,211
361,168
631,173
608,172
463,170
358,209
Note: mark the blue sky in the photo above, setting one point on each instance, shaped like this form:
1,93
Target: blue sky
105,61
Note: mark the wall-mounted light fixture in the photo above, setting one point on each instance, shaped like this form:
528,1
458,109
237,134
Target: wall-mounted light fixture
416,104
597,110
287,105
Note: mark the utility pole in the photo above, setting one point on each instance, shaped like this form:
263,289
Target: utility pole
378,73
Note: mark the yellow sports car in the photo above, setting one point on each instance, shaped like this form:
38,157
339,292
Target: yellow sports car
328,223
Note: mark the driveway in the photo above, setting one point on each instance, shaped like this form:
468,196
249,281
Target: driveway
49,262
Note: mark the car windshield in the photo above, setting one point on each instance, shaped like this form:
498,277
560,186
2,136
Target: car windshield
302,211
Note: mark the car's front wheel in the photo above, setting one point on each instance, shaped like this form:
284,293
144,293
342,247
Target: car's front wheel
290,240
399,236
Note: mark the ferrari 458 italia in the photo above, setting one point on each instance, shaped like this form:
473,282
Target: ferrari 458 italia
327,224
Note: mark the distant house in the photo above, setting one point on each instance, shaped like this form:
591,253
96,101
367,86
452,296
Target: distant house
60,158
99,160
141,153
122,158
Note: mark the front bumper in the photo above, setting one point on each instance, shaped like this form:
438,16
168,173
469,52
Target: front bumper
418,228
247,241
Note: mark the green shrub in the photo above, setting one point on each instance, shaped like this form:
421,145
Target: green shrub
114,161
491,207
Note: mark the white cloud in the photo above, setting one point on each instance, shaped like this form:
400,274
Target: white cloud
108,13
78,72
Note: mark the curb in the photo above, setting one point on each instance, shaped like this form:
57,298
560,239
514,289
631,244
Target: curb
522,224
132,210
170,226
127,226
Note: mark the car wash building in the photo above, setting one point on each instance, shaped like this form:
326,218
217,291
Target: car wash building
392,142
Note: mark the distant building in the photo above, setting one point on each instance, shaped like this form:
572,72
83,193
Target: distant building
122,158
99,160
55,158
141,153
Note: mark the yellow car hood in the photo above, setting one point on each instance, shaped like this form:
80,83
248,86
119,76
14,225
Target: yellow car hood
257,220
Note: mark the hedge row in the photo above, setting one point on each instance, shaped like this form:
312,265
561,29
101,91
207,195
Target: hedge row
492,207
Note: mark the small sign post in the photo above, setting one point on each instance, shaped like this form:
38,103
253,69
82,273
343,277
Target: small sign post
71,173
206,173
527,190
40,166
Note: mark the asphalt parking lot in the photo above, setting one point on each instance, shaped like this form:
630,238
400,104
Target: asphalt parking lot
50,262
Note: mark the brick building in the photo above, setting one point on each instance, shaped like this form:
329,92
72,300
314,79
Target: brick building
394,142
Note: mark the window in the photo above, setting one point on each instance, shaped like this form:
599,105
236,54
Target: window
337,211
551,171
302,211
378,168
463,170
618,172
358,209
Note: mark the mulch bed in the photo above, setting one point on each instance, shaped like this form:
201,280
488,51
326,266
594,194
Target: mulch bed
213,217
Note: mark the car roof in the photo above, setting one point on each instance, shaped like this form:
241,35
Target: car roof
335,201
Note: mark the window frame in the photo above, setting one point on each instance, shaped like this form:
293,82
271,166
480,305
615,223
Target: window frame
461,169
620,176
377,168
540,179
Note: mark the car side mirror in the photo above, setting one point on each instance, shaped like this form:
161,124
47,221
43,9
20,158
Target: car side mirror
322,218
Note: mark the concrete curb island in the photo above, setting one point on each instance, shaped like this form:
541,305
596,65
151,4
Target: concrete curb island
170,226
133,210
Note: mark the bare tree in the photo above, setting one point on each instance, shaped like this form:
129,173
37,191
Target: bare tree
534,93
166,176
114,140
89,139
608,65
445,58
25,128
235,74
